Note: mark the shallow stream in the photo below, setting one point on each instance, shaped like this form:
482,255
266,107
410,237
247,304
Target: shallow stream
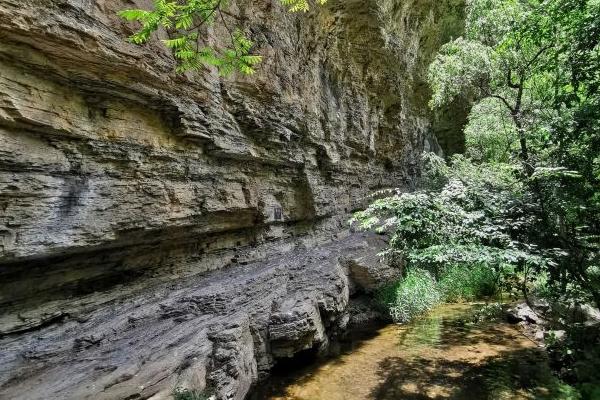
443,355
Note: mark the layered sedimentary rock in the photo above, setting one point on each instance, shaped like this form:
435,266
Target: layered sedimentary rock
161,230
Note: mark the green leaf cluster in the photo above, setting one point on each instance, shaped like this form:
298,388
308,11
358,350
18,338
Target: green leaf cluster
185,22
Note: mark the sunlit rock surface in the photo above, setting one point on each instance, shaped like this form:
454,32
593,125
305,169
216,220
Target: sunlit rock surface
162,230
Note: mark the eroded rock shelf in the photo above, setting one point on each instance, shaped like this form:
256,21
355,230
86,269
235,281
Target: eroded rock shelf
161,230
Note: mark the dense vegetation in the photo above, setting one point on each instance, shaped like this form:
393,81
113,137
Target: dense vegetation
520,211
525,200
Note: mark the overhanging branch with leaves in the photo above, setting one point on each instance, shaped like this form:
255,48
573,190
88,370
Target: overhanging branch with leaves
185,21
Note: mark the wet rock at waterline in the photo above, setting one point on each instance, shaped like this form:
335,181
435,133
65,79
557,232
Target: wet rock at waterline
161,230
522,312
545,322
224,330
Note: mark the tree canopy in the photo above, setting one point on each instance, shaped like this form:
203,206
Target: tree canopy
527,199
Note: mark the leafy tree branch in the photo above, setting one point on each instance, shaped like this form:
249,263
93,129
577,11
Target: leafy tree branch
185,22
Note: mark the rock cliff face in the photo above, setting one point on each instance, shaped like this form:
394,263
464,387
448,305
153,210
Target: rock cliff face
162,231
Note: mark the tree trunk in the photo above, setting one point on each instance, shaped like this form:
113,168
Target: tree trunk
516,116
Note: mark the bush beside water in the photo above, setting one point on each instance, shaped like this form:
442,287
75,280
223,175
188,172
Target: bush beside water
418,292
461,282
411,296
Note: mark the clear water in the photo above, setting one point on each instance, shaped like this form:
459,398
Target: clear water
440,356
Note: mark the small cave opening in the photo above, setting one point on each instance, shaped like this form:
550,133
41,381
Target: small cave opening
302,359
286,371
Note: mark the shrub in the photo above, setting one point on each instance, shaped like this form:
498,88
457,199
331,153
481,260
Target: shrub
488,312
385,296
465,226
463,282
410,297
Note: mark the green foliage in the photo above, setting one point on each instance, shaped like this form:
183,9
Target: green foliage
458,70
465,219
490,135
530,68
410,297
185,22
514,54
385,296
463,227
458,227
522,210
488,312
418,291
576,357
461,282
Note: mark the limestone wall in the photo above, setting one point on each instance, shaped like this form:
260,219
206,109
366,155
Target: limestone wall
140,244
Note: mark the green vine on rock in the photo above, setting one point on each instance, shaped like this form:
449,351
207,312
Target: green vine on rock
184,21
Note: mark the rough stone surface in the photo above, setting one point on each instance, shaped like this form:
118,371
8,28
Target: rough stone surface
544,322
522,312
223,330
140,248
370,270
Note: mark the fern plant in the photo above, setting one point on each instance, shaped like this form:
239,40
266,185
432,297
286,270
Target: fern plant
184,20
